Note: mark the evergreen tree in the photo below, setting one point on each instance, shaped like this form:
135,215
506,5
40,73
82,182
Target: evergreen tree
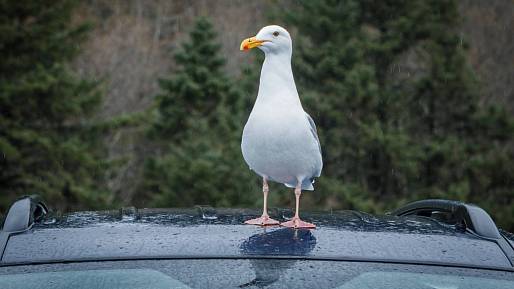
467,147
47,146
200,118
367,152
388,138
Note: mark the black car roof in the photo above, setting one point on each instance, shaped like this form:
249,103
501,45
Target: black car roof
209,233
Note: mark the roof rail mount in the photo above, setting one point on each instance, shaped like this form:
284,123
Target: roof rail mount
472,217
23,213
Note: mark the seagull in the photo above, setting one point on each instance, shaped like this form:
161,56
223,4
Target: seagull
280,142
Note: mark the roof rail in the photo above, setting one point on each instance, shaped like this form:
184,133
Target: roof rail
472,217
453,212
22,214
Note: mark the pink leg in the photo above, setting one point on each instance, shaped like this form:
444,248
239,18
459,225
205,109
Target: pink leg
295,222
264,220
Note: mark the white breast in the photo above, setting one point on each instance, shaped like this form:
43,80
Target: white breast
278,144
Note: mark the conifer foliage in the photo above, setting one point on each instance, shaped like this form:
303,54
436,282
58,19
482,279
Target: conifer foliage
46,144
199,124
390,137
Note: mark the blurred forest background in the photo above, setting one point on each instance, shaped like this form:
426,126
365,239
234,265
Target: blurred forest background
109,103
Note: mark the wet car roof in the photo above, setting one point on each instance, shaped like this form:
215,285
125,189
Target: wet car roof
209,233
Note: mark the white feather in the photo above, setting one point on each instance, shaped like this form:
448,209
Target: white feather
279,139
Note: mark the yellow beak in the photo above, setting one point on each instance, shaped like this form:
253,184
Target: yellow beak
250,43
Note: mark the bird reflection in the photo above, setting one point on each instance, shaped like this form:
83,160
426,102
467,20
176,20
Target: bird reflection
282,242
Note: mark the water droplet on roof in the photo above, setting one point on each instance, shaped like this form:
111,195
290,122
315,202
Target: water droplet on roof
50,221
128,214
207,213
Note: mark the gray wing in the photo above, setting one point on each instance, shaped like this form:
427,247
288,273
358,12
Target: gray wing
314,131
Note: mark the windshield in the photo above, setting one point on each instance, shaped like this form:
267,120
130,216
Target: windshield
249,273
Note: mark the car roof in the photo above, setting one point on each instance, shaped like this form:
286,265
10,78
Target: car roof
204,232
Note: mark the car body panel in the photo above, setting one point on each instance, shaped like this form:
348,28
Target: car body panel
210,233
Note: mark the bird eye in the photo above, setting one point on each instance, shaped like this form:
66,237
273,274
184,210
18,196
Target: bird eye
275,33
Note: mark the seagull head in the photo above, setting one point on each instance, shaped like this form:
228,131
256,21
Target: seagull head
271,39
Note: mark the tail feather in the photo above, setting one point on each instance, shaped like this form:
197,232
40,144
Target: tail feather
307,185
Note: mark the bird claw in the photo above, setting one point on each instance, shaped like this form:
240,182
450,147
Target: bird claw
263,221
296,223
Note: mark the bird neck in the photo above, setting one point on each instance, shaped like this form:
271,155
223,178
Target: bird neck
277,81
